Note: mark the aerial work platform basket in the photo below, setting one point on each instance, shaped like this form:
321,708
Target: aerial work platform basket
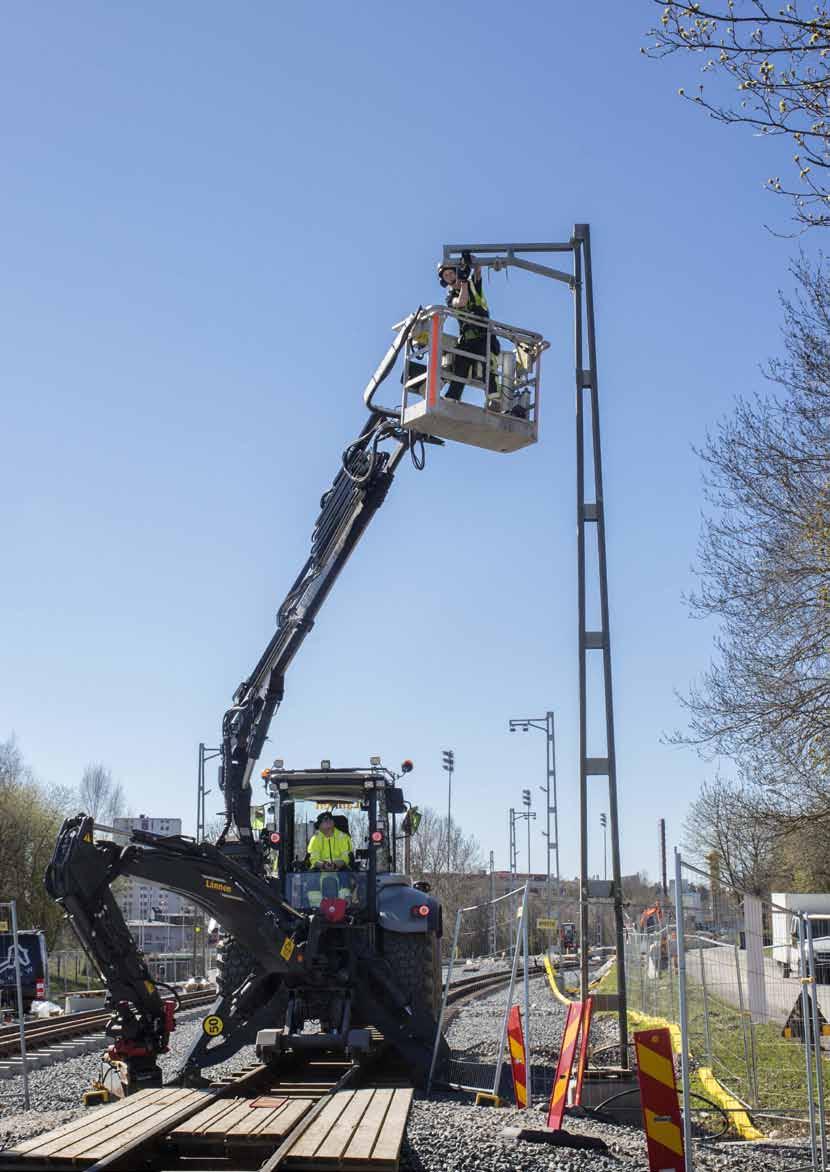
499,379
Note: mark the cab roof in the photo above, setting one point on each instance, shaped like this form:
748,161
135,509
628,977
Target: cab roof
328,785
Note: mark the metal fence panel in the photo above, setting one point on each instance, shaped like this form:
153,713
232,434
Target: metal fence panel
753,1011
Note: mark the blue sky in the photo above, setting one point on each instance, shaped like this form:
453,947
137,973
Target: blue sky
211,216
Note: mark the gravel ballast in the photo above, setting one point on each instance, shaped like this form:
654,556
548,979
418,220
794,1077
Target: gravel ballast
445,1134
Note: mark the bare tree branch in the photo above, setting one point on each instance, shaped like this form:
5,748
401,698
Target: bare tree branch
779,63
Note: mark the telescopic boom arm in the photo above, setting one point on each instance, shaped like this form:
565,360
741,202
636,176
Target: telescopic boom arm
357,492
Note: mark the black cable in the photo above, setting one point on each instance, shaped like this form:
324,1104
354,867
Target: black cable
419,461
694,1094
164,985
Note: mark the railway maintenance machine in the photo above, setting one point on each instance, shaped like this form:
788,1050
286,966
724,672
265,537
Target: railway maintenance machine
347,952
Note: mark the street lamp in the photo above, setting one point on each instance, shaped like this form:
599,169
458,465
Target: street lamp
545,724
449,766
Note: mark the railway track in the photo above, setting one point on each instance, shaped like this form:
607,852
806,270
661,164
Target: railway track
47,1032
309,1113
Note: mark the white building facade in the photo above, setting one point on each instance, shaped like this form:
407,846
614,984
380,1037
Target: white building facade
138,899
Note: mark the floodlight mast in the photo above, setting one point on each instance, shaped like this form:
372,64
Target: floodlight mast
501,256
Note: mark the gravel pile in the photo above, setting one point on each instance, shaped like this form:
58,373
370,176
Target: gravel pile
474,1035
448,1135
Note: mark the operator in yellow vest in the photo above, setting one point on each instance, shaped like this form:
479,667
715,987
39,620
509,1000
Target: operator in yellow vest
329,849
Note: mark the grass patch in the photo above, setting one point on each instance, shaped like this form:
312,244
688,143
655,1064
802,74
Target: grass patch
752,1060
608,984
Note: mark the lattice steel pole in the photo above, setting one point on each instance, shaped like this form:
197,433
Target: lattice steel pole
590,512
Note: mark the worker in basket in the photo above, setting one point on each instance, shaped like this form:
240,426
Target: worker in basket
465,293
330,850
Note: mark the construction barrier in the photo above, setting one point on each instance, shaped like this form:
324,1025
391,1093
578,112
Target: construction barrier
562,1078
585,1031
518,1057
660,1106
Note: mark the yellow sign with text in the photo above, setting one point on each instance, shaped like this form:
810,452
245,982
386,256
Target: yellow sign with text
213,1025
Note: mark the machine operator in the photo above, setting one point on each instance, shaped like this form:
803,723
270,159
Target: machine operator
329,849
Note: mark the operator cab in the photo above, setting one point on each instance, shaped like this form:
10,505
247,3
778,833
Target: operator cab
500,407
365,803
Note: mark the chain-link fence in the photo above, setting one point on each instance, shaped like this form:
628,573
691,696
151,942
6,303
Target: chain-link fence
736,977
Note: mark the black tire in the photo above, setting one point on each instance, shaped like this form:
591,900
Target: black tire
415,960
234,965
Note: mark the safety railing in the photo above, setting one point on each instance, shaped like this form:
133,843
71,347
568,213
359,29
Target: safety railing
497,366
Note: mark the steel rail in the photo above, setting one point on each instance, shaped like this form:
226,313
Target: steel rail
49,1030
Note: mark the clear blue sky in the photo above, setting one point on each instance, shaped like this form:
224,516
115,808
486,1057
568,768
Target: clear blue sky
211,215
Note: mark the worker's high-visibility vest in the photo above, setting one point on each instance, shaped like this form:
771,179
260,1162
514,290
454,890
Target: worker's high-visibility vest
334,848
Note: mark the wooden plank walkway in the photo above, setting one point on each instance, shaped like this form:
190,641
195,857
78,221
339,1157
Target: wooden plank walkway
355,1129
241,1123
103,1131
348,1130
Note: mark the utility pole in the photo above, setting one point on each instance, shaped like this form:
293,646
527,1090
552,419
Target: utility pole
205,755
546,725
528,814
603,821
513,867
492,906
598,760
661,833
526,801
449,766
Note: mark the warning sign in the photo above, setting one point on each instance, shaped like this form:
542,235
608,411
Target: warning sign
794,1027
562,1077
287,948
658,1094
213,1025
545,925
518,1059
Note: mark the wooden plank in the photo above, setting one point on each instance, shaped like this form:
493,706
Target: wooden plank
92,1122
364,1139
238,1119
308,1143
272,1125
344,1128
388,1146
118,1138
117,1126
131,1146
208,1120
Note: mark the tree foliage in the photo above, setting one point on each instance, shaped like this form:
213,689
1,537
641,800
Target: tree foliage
464,882
30,817
99,795
764,573
729,820
777,59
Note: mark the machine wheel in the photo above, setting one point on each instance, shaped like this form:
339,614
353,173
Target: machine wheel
415,960
234,964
